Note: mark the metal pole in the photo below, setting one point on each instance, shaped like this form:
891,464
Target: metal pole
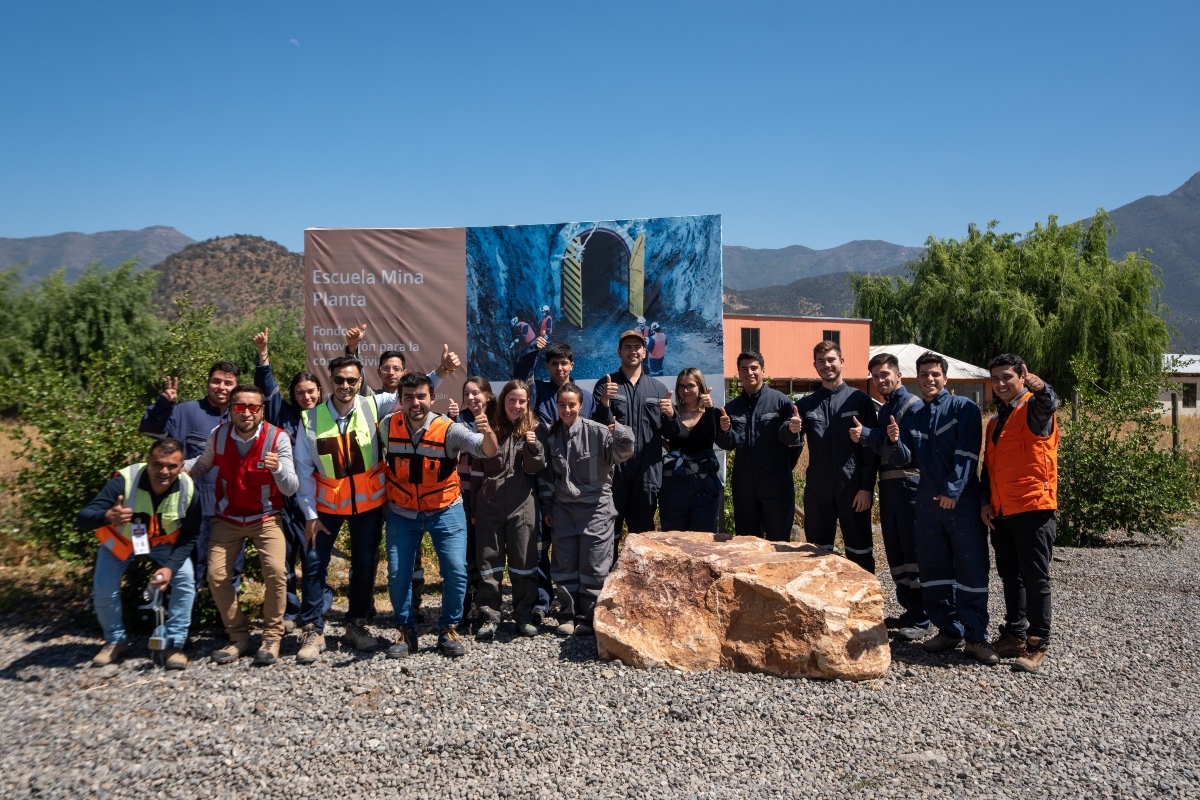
1175,421
1074,406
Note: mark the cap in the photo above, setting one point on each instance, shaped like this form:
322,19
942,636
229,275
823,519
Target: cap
515,321
654,326
546,308
631,335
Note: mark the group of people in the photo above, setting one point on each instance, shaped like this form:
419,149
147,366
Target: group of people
541,479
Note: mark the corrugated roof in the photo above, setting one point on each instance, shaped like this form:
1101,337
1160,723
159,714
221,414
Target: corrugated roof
907,355
1187,363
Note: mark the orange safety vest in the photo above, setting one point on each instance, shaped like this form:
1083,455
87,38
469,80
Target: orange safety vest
420,478
348,475
162,526
1022,466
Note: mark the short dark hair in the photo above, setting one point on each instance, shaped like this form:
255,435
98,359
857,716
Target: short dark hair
571,388
826,346
881,359
930,357
388,355
559,350
245,388
225,366
166,446
1007,360
341,362
414,379
751,355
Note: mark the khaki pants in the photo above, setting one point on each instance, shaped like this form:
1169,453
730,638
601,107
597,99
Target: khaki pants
223,548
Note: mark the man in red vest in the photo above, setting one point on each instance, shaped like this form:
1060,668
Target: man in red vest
1019,504
253,460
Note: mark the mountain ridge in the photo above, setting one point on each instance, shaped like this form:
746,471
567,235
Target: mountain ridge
74,251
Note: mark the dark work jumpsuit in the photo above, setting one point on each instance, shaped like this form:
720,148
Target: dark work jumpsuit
690,499
944,438
765,453
636,482
1024,543
898,510
837,470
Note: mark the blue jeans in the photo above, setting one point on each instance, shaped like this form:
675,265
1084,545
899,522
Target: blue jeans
448,530
106,595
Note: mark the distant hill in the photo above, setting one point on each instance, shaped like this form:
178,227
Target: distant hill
239,274
76,251
819,296
751,268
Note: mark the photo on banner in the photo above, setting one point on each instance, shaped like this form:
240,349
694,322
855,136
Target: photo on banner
584,283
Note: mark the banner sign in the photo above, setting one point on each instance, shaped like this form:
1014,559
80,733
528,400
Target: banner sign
490,295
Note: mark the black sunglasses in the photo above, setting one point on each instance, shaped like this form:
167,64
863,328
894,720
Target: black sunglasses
342,379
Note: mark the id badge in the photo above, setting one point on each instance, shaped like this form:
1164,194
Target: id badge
141,539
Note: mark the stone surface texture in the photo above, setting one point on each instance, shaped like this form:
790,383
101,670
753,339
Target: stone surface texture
702,601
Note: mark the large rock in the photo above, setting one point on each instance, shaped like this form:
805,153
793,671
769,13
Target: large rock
698,601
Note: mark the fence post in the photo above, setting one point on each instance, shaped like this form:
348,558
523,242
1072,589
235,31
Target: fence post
1074,406
1175,421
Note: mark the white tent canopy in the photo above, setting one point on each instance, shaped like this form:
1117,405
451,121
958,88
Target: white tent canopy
907,355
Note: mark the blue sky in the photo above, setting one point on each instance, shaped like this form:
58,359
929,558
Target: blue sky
801,123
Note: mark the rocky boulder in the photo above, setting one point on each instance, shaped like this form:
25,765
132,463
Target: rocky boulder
698,601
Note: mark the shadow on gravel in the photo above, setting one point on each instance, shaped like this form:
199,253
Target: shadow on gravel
55,655
578,649
912,653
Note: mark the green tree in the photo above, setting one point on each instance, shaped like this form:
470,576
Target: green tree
235,340
1051,295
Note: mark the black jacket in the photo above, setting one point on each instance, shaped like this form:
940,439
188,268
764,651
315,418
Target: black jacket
833,460
765,451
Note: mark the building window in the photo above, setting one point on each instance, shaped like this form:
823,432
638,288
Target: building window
832,336
1189,395
750,340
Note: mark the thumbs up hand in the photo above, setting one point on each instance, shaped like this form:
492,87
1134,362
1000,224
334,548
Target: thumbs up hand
795,424
610,391
354,336
453,410
271,461
450,361
725,421
855,430
706,400
612,427
893,431
260,343
119,515
666,406
531,437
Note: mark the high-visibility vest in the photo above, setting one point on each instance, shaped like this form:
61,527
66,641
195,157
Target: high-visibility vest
162,526
245,490
349,474
658,344
420,478
1022,466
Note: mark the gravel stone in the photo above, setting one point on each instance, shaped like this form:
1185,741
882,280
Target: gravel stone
1114,712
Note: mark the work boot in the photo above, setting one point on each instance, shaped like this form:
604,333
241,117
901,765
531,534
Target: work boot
175,659
566,628
268,653
289,627
486,632
110,653
584,629
527,629
941,643
892,623
1008,645
450,644
982,652
1031,660
312,644
232,651
538,617
407,646
358,636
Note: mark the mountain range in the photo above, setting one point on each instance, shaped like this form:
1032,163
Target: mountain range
42,255
753,268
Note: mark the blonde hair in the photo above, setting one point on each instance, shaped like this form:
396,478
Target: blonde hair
697,376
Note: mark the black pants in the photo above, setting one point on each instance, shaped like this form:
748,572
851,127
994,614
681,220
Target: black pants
635,503
366,531
689,503
824,508
1024,545
770,518
897,517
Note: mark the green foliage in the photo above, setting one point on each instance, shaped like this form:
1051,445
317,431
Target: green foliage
1052,296
1113,473
235,341
14,337
188,348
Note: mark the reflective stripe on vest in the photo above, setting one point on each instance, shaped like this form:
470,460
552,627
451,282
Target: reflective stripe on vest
349,475
421,477
1022,466
245,488
163,526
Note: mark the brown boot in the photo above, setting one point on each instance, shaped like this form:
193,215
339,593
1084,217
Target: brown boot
109,654
232,651
175,659
1008,646
1031,660
268,653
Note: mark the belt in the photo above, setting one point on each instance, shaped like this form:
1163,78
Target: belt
890,474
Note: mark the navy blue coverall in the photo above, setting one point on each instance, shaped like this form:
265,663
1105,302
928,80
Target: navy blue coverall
765,453
898,510
944,438
838,469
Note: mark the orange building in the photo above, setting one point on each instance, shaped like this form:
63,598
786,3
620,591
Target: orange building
786,344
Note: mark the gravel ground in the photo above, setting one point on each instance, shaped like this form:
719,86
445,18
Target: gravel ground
1115,711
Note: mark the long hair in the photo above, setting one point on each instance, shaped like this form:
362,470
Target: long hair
567,388
485,386
299,378
697,376
501,424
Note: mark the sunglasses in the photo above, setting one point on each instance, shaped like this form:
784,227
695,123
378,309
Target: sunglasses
242,408
342,379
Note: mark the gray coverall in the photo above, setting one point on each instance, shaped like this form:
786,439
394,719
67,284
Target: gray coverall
504,502
580,462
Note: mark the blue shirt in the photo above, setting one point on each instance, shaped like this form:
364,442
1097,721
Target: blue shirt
190,422
944,439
